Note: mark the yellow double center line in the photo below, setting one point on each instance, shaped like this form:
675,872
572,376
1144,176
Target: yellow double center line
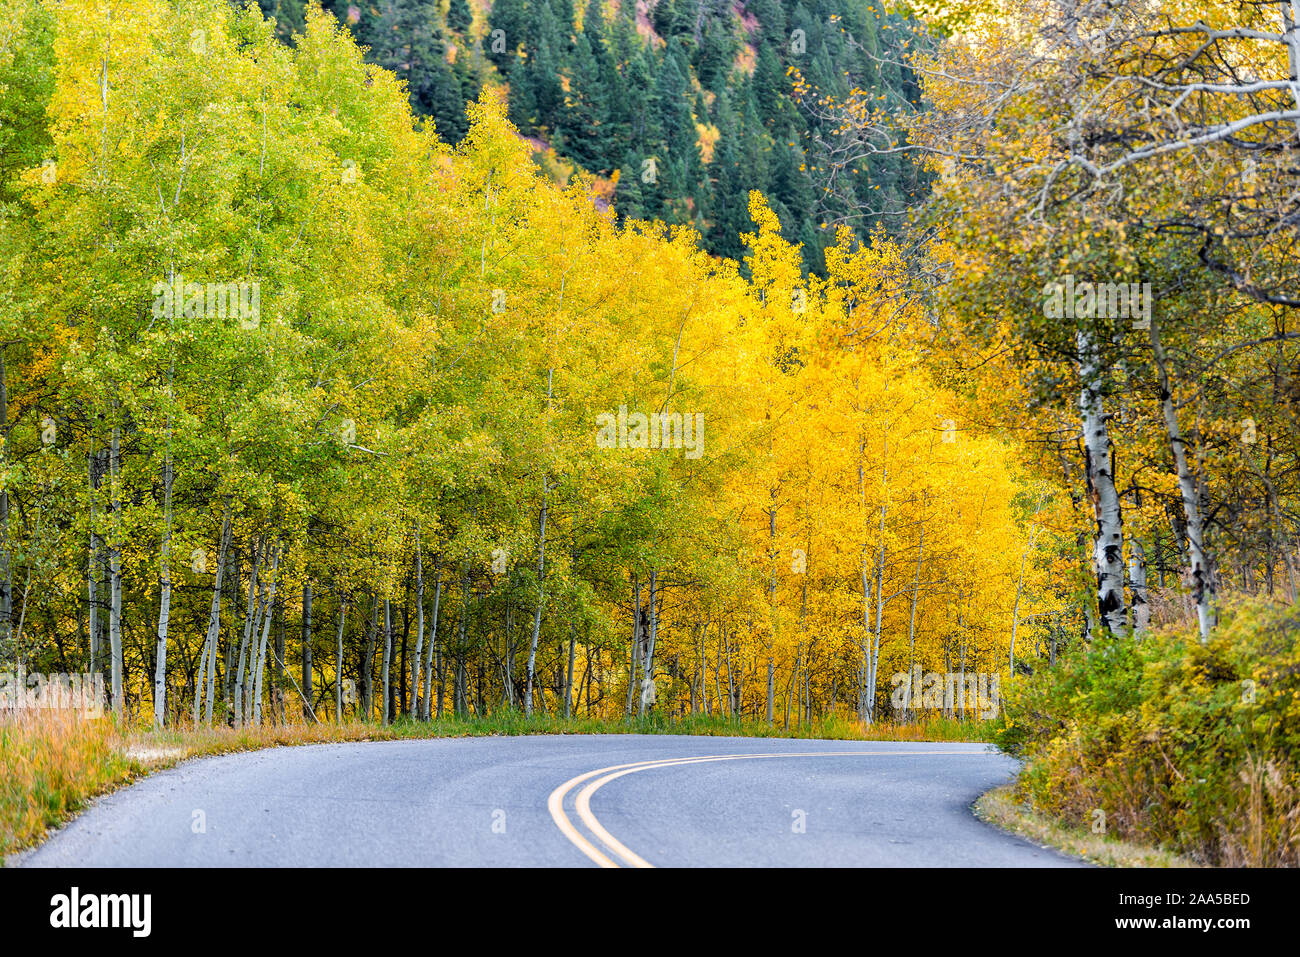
602,776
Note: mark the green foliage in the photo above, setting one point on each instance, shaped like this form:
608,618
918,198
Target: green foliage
459,15
1195,747
606,97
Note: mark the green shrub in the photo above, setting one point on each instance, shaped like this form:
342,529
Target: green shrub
1189,746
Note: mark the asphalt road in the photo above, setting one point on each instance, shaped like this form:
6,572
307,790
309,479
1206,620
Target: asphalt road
571,800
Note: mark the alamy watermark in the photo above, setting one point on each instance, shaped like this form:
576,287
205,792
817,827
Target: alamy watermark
1066,298
654,430
34,691
979,692
213,300
127,911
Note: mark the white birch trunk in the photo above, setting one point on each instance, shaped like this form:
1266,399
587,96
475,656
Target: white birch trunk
911,626
165,602
537,615
207,657
338,659
568,683
266,634
388,661
648,669
6,572
429,653
419,630
1108,537
1202,571
249,620
115,575
92,568
1137,579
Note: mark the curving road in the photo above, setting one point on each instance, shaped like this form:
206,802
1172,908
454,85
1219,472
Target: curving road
558,801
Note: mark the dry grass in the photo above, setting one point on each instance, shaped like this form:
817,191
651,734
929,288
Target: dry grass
1268,833
1000,808
51,764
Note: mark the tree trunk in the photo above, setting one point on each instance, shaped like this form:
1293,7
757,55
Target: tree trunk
92,570
115,574
1108,538
250,616
864,711
227,677
266,634
165,601
636,644
338,658
388,660
771,603
277,687
207,657
1137,575
568,684
541,598
653,614
406,636
1202,569
306,648
367,662
429,654
6,571
460,700
416,708
911,626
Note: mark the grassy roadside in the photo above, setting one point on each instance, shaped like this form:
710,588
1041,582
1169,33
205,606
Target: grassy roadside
1001,809
1171,741
53,764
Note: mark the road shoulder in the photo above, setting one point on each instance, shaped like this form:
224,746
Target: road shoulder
999,808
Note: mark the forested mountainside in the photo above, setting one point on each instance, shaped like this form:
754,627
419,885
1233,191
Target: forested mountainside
678,108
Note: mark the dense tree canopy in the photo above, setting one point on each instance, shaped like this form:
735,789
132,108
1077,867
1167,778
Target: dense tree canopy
289,379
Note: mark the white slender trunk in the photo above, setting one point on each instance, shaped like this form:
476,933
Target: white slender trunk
92,569
307,660
431,650
568,683
874,660
6,572
1137,579
648,670
165,602
115,574
338,659
250,614
266,634
537,615
864,712
207,657
1108,537
771,604
367,661
388,661
731,681
911,625
541,567
419,629
1202,570
636,645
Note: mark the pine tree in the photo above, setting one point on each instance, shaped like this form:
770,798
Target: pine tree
459,16
507,29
